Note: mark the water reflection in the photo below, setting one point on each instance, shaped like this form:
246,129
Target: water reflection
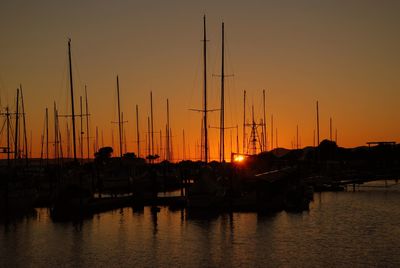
340,229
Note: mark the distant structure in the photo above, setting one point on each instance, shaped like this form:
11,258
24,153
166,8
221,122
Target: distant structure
381,143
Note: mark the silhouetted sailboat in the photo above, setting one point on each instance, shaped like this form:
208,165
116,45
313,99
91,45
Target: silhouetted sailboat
206,193
17,188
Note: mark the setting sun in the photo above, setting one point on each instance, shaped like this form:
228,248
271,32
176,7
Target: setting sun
238,158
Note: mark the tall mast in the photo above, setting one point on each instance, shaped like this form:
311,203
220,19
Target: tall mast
202,140
8,136
119,121
81,132
166,142
16,127
137,131
55,132
222,113
47,136
87,124
184,145
330,128
148,137
152,129
205,92
59,137
168,151
297,137
253,132
72,98
23,118
244,121
265,125
317,125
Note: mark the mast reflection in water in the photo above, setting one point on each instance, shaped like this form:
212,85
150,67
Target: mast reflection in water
341,229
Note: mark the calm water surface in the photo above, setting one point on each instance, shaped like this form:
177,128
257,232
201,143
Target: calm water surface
342,229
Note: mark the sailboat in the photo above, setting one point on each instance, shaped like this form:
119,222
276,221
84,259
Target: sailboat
17,187
75,197
206,193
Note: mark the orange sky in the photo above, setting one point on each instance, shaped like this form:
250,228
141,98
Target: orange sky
343,53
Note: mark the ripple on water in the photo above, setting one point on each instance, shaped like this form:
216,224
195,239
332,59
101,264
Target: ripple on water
341,229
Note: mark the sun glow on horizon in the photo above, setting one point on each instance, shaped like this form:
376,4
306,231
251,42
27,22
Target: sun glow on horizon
238,158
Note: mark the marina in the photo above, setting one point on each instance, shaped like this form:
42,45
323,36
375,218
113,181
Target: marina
199,134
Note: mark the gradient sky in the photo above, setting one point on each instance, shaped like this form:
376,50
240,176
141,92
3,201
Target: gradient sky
343,53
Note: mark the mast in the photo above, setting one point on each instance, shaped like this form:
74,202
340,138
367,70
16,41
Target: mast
317,125
265,125
168,151
152,129
47,135
148,136
297,137
8,136
166,142
230,133
24,122
119,121
81,132
184,146
330,128
205,91
87,124
16,127
59,137
72,98
137,131
244,121
222,115
253,132
55,132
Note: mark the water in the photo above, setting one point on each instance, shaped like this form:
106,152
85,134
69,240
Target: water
342,229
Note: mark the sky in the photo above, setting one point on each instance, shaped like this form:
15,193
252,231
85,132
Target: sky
345,54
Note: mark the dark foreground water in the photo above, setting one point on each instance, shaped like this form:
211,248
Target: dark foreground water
343,229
